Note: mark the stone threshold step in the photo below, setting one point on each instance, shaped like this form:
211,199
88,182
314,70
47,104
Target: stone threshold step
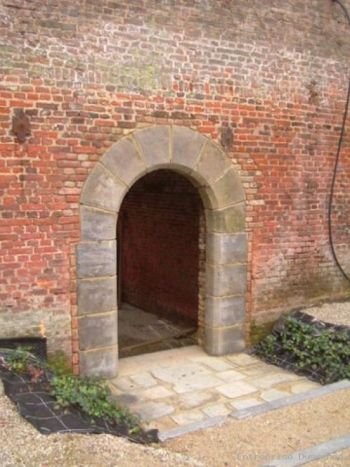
256,410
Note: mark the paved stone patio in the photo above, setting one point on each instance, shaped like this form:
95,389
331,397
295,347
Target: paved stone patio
181,386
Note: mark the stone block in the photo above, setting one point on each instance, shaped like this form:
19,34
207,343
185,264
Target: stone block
213,163
223,341
155,144
102,190
97,225
224,311
96,259
208,198
187,417
228,189
227,248
98,331
227,220
236,389
273,394
124,161
245,403
187,145
97,295
153,410
196,382
230,375
217,410
226,280
156,392
101,363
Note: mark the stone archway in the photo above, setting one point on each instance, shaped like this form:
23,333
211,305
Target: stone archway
210,170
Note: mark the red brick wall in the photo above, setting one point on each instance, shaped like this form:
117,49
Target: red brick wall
86,73
158,234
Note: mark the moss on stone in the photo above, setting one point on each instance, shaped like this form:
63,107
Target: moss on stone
60,363
260,331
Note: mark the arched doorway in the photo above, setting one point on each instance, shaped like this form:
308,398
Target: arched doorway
203,162
161,253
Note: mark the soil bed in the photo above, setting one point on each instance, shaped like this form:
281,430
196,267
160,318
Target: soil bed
308,346
35,403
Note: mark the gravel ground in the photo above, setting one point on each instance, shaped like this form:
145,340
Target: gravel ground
22,445
335,313
255,441
246,443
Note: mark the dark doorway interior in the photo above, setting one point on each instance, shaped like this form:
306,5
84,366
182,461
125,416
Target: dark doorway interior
158,264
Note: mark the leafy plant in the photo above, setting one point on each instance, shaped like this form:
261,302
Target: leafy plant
323,354
91,396
19,360
59,364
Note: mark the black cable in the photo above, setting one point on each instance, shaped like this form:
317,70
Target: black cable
340,141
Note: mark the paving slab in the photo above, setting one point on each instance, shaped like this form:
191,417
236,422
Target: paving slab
144,380
196,398
188,417
273,394
156,392
217,410
153,410
186,386
236,389
245,403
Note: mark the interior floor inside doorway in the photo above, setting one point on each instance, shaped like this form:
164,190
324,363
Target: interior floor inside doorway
143,332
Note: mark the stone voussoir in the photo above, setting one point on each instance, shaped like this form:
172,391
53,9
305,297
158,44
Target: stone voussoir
228,189
213,163
227,220
124,161
155,145
102,190
186,146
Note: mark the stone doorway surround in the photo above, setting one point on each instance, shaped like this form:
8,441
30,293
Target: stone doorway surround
210,170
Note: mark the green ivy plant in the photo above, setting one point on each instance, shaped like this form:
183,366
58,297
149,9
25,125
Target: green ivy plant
91,396
323,354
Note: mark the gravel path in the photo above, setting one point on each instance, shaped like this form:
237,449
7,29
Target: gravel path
335,313
253,442
22,445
